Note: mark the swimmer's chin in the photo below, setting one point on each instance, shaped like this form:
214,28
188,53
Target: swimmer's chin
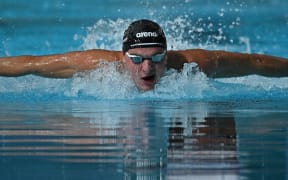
146,84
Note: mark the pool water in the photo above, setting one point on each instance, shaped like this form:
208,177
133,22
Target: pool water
97,125
144,139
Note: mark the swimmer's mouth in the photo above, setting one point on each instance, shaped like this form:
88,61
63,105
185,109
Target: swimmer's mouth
149,78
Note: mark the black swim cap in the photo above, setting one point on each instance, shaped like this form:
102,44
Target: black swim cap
143,33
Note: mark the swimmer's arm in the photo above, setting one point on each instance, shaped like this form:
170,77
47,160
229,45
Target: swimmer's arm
57,65
220,64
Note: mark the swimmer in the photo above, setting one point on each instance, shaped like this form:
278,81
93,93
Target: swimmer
145,57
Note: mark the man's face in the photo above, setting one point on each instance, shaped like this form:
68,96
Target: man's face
147,73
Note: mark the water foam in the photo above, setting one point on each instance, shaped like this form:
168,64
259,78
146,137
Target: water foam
106,82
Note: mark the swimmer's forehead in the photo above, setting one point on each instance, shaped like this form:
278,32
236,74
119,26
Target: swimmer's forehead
147,51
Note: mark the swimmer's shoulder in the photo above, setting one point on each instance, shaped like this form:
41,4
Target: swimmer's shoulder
177,58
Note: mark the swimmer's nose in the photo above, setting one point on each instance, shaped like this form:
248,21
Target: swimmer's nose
147,65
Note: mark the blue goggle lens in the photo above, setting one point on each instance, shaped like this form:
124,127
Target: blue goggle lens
157,58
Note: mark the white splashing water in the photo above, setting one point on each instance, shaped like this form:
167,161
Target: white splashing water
108,83
104,34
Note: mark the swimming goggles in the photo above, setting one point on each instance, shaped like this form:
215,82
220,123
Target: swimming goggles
136,59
